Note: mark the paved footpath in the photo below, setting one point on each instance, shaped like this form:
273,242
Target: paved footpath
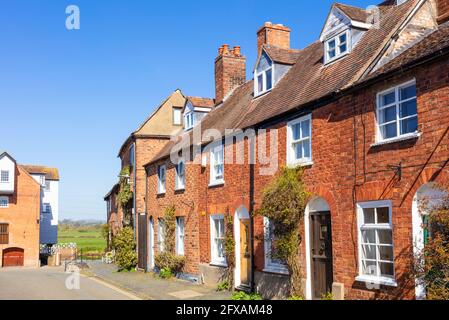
148,286
48,283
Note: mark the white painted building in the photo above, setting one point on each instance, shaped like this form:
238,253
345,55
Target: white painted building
48,178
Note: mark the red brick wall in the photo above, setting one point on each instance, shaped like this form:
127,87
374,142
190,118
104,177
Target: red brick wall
348,170
443,10
274,35
23,215
186,205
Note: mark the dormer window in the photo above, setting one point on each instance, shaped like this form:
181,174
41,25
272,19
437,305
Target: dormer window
263,76
337,46
189,120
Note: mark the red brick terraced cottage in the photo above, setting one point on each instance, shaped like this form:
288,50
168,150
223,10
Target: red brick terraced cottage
364,110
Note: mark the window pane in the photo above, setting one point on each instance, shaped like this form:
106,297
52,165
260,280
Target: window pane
331,54
369,236
388,98
331,44
268,75
383,215
369,252
305,129
296,129
389,131
220,248
385,236
221,228
343,38
260,83
386,269
306,148
369,268
298,150
386,253
343,48
387,114
409,125
407,109
408,92
368,215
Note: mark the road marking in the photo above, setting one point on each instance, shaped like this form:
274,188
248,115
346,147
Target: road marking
110,286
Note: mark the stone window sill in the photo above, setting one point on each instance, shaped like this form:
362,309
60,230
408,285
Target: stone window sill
406,137
377,280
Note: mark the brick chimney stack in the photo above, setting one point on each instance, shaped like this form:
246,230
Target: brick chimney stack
442,11
230,71
274,35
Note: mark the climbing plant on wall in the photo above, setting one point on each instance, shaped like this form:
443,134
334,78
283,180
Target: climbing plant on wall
284,202
433,262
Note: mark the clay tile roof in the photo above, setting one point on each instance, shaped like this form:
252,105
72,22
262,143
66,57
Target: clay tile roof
309,80
201,102
283,56
432,43
353,13
227,116
50,173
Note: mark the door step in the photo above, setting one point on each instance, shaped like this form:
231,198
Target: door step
244,288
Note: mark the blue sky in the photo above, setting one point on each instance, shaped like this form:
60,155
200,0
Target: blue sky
70,98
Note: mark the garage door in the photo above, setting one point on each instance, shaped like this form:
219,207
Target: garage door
13,257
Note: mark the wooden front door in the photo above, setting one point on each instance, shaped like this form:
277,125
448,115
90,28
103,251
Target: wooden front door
321,253
245,252
142,242
13,257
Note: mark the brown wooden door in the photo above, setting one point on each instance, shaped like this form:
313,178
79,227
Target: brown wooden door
321,253
13,257
245,253
142,242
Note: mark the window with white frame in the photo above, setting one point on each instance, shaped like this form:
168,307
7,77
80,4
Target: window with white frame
4,202
177,116
263,76
162,178
217,239
47,186
337,46
180,175
376,257
397,114
299,141
160,234
271,263
4,176
189,120
217,165
180,234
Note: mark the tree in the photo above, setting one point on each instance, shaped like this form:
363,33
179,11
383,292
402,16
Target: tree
284,202
125,247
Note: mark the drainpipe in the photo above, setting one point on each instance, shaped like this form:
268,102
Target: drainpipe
134,193
251,210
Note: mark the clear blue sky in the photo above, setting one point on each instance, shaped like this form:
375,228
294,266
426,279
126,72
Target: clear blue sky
70,98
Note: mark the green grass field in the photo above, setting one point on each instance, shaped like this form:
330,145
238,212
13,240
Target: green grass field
87,238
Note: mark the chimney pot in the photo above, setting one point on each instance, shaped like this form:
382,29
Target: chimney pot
225,49
236,51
